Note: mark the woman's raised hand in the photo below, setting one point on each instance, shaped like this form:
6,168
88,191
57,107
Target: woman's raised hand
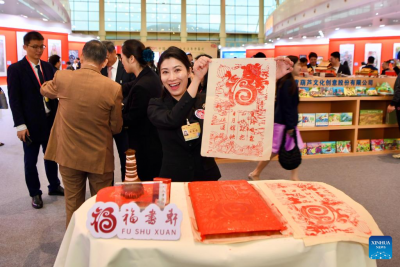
200,67
283,66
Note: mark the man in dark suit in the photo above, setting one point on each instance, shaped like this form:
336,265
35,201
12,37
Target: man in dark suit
33,114
370,64
116,72
335,62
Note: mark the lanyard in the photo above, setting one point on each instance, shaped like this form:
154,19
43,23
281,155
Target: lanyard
37,77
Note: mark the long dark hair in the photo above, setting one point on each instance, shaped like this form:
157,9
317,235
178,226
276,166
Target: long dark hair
134,48
289,76
178,54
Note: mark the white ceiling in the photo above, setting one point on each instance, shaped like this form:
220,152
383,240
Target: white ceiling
298,19
46,10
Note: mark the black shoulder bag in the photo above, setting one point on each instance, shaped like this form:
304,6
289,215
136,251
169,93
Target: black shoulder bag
291,159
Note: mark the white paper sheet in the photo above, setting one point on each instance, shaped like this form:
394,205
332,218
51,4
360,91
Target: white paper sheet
239,113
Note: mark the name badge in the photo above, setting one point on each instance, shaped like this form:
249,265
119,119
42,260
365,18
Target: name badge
191,131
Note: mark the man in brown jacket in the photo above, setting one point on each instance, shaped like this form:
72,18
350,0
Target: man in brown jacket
89,114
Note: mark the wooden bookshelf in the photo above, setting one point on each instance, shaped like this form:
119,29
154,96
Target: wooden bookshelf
351,133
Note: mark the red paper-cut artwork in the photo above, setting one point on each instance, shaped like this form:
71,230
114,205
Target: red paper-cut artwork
239,110
224,208
318,211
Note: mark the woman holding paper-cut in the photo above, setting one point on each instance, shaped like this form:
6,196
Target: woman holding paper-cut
286,117
178,116
180,109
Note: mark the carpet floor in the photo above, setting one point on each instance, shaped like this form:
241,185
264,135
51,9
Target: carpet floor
32,237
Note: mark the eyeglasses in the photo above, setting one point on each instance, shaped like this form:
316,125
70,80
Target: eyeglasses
38,47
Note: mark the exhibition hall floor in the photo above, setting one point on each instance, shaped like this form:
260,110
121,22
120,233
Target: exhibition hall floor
32,237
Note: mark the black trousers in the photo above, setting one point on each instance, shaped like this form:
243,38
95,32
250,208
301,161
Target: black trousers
122,142
31,153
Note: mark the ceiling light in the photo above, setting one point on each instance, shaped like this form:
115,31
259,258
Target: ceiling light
290,38
45,19
242,44
318,36
2,2
377,14
321,33
358,27
278,39
337,29
304,37
219,47
24,16
381,25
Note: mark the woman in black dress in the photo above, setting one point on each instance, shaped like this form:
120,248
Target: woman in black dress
143,136
179,105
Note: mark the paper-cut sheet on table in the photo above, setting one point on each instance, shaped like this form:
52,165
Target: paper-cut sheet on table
231,208
239,111
321,211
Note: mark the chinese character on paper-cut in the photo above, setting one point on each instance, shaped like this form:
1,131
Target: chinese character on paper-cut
171,217
302,82
151,217
370,82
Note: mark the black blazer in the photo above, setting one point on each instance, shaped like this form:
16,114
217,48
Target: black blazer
122,77
344,69
286,106
182,161
26,101
309,65
143,136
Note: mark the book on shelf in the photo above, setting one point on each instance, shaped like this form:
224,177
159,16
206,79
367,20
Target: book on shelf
391,144
308,119
314,148
346,118
343,146
377,145
326,91
349,91
363,145
321,119
334,119
338,91
315,91
300,119
361,91
328,147
371,117
304,92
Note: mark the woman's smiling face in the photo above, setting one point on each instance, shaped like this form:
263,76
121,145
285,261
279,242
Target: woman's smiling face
174,77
